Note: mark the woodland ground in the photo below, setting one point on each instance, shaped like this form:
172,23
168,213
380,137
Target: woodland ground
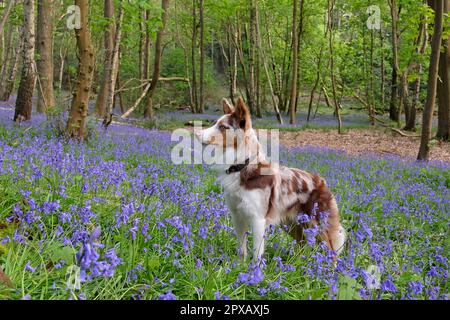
139,227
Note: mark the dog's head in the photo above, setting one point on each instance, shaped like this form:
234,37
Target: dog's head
230,129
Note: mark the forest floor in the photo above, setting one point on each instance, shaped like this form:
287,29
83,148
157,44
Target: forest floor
363,141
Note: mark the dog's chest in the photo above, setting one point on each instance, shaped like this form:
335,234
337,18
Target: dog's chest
242,201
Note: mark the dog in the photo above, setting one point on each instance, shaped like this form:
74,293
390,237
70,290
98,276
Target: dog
259,194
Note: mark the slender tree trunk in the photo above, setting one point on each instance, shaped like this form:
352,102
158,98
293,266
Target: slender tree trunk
232,64
114,69
404,98
28,78
144,45
253,61
44,46
443,89
62,57
372,81
278,79
121,102
393,110
193,56
286,71
8,55
102,96
331,4
202,58
5,17
421,44
76,125
238,46
266,69
293,97
186,56
158,56
382,71
424,150
300,34
316,83
7,84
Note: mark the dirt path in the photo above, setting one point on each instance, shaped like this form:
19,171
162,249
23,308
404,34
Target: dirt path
360,141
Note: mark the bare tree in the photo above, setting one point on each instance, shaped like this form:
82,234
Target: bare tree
28,77
424,150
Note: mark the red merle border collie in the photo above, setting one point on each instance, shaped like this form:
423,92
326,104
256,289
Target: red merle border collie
260,194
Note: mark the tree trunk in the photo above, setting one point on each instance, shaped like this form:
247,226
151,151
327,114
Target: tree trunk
5,17
404,98
372,81
331,4
286,70
293,95
393,110
443,89
201,106
421,44
144,45
316,83
300,33
114,69
278,79
28,78
266,69
193,56
238,46
8,55
76,125
424,150
102,96
253,61
382,70
44,46
121,102
7,84
62,57
158,54
232,64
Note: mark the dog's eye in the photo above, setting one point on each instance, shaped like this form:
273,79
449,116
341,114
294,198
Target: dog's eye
222,127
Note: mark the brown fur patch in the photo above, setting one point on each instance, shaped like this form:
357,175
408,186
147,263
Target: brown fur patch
251,177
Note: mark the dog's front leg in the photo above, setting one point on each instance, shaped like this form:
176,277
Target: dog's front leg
258,228
240,225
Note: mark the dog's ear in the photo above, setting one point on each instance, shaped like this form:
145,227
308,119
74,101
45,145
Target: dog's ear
243,114
227,107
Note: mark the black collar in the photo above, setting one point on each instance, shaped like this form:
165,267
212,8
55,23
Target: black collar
238,167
